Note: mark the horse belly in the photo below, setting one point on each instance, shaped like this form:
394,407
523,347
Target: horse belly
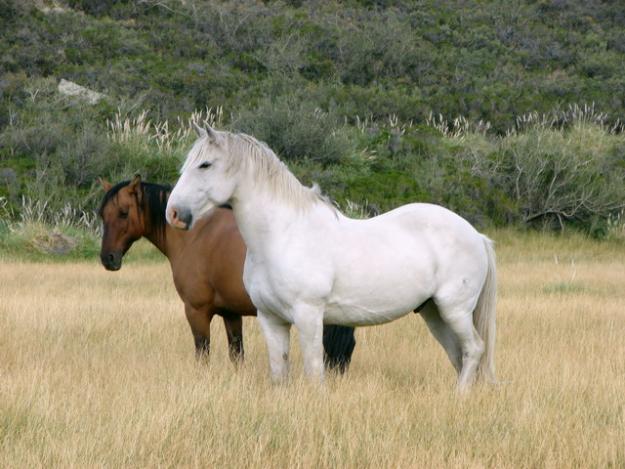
391,280
371,303
356,315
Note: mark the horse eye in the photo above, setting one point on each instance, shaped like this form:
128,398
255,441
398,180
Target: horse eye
123,214
205,165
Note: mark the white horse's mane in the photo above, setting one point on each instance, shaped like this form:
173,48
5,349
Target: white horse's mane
247,153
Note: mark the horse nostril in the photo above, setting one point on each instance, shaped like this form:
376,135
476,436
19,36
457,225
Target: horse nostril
180,218
111,260
172,215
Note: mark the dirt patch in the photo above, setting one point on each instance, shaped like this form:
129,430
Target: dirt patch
54,242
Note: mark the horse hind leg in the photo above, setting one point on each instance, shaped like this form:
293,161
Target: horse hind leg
442,333
459,320
338,346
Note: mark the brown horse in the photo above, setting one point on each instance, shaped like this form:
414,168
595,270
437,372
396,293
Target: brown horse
206,263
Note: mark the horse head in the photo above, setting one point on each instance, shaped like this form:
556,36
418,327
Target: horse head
123,220
206,179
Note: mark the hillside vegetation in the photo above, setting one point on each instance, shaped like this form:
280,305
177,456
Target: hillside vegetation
507,112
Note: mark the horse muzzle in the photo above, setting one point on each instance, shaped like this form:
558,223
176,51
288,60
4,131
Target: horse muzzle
111,260
179,218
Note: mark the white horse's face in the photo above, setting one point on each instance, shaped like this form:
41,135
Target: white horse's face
203,183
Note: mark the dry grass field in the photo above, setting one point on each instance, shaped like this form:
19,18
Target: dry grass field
97,369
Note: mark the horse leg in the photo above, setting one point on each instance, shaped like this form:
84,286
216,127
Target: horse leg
443,333
234,329
200,321
277,336
309,323
459,318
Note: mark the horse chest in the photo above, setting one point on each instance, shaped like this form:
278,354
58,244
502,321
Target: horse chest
261,290
192,283
271,290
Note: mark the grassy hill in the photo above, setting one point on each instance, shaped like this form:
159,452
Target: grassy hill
507,112
492,60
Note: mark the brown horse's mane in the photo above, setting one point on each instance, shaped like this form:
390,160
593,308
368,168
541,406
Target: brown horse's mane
154,201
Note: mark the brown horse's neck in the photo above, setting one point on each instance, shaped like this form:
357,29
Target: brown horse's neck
168,242
159,240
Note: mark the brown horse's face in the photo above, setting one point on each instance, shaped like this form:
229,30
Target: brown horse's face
122,225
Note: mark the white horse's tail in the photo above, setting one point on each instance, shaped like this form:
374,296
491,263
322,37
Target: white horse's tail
484,316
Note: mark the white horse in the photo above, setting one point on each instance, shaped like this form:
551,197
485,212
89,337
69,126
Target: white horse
307,264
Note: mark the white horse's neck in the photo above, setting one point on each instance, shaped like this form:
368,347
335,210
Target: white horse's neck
264,216
253,212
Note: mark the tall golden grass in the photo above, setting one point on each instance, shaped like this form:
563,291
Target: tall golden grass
98,369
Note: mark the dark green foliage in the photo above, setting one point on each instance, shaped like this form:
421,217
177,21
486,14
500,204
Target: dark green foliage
58,146
484,60
295,130
318,81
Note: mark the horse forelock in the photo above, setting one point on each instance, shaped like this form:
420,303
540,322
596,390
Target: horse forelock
196,154
111,194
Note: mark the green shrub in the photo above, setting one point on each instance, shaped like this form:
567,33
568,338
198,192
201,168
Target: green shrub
295,129
561,176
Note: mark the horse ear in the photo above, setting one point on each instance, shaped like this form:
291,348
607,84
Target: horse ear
200,131
211,134
207,131
105,184
136,182
134,185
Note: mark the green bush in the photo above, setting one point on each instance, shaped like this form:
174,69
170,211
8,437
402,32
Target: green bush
58,146
557,176
295,129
